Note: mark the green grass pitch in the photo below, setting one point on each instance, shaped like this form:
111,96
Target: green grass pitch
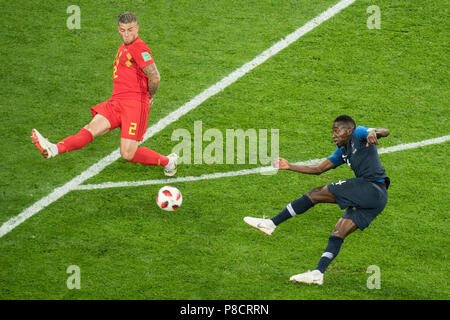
127,248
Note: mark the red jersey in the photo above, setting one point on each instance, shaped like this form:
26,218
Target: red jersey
129,81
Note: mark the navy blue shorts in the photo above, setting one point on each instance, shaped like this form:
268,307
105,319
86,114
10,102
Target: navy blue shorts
364,200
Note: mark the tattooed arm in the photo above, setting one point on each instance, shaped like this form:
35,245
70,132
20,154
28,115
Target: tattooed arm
153,80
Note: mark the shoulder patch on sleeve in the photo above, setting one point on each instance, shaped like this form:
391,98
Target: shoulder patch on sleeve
361,132
146,56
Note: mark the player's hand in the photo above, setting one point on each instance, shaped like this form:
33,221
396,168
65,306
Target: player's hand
281,164
372,138
150,102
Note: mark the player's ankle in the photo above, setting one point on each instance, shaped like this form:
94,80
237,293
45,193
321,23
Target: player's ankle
54,148
169,163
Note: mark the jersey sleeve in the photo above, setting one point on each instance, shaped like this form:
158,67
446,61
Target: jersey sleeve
142,55
336,157
361,133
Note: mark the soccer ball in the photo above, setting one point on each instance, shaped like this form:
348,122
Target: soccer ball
169,198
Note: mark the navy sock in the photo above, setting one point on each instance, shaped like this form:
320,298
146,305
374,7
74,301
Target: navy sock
292,209
333,247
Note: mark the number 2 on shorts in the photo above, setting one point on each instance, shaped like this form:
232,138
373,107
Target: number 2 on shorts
132,131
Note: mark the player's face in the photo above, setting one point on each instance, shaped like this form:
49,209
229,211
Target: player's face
341,134
128,32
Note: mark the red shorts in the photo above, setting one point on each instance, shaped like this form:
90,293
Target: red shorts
130,115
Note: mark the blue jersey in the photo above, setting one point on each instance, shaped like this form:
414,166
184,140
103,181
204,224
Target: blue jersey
364,161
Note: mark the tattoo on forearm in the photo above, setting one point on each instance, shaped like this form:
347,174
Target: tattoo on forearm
153,79
152,87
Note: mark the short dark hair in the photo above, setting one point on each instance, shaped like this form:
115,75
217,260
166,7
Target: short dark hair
346,120
127,17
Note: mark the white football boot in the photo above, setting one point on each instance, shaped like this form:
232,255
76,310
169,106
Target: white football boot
171,167
309,277
47,149
265,225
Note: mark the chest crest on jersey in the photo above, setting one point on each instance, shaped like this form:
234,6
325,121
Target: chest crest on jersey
128,62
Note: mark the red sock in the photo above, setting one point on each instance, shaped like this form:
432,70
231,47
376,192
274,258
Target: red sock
75,142
149,157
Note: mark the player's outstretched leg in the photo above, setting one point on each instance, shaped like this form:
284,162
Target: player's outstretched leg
296,207
50,150
131,152
342,229
78,141
98,126
267,226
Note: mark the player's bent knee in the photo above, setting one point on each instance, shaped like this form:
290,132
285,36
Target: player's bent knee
343,228
95,133
98,126
311,194
314,195
127,155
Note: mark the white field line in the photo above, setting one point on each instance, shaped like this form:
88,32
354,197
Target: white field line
261,170
175,115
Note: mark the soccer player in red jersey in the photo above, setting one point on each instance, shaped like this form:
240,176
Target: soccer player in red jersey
135,82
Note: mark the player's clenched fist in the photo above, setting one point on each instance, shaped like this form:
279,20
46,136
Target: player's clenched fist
372,138
281,164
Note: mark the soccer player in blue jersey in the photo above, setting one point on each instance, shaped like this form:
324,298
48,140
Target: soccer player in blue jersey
363,197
